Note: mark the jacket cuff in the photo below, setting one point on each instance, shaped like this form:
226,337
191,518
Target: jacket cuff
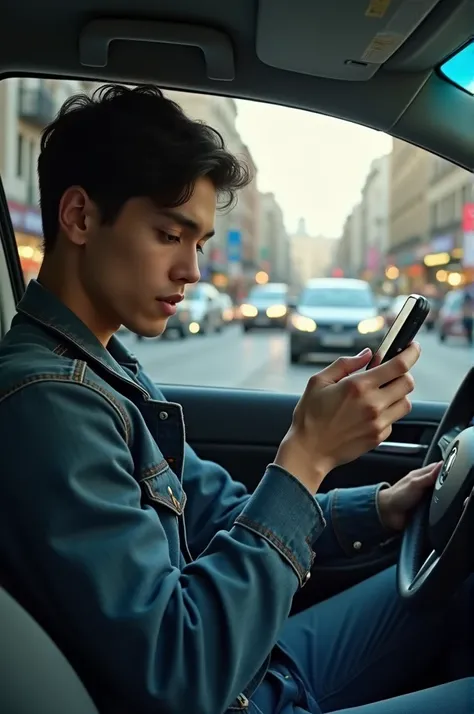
356,521
284,512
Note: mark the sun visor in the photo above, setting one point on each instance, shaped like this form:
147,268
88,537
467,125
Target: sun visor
336,39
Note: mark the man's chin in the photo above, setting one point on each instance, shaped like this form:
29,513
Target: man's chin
149,331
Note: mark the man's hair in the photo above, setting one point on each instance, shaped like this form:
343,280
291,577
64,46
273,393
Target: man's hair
122,143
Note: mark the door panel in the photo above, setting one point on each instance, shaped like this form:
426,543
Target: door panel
241,430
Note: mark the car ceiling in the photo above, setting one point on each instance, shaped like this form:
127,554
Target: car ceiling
304,53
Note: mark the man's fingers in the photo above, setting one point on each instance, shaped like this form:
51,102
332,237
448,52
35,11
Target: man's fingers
395,367
396,390
343,367
395,412
429,469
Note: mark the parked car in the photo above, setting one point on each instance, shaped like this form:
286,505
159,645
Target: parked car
450,318
335,315
266,306
203,301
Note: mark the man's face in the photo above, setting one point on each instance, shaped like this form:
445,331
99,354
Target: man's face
135,270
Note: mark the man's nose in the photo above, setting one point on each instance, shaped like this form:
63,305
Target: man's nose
187,269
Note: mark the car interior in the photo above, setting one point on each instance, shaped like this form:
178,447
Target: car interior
370,62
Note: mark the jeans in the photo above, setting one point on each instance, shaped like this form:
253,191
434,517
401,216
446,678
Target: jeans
356,652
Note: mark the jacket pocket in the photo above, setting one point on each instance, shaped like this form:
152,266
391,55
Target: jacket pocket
160,485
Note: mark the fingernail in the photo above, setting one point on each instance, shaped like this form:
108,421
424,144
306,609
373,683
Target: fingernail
364,352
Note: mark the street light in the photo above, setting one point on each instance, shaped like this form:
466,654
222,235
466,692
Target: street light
261,277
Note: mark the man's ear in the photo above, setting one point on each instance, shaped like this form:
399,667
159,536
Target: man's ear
77,215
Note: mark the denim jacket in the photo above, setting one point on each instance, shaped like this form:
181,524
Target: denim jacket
164,583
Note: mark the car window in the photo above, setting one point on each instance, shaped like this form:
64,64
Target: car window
271,295
336,297
393,215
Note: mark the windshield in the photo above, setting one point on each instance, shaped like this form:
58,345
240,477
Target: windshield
270,295
322,297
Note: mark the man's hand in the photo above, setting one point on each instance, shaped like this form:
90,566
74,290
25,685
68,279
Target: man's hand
344,412
397,502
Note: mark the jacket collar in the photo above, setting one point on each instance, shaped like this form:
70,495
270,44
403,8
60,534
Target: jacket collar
42,306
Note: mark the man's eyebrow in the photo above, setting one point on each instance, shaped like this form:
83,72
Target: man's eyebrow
184,221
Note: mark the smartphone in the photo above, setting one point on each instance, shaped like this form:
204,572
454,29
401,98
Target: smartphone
406,325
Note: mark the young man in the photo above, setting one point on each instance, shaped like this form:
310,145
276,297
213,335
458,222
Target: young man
165,584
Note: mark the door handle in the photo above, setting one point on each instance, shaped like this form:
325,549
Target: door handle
399,448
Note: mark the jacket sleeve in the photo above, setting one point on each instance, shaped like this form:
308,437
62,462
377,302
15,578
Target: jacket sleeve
353,525
98,563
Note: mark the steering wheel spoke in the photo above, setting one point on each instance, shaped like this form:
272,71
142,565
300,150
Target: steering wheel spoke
445,441
423,573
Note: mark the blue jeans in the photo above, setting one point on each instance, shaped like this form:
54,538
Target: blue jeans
355,653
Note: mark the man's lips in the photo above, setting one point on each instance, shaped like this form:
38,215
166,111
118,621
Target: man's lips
171,299
168,304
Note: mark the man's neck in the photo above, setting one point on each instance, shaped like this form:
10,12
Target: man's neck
71,293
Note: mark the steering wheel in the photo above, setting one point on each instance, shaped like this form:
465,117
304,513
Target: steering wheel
437,551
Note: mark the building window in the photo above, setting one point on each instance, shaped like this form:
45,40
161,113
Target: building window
20,155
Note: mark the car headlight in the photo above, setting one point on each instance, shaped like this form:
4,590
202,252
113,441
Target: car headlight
302,323
373,324
249,310
276,311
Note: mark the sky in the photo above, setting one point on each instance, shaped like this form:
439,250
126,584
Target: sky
315,165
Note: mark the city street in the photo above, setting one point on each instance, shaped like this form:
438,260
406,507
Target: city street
258,360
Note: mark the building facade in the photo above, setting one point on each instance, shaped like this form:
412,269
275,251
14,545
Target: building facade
374,220
274,246
408,214
27,105
311,256
450,193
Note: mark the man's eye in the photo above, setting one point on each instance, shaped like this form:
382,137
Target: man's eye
168,237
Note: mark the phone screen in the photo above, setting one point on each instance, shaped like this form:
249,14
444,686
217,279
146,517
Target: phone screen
393,332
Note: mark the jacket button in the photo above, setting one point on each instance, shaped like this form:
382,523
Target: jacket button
243,701
357,545
163,416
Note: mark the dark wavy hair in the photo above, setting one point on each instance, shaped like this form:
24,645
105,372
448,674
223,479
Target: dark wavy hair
123,143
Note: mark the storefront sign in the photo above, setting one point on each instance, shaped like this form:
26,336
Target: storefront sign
468,218
26,219
442,244
468,235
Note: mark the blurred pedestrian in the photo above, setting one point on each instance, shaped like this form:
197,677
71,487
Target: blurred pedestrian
468,316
